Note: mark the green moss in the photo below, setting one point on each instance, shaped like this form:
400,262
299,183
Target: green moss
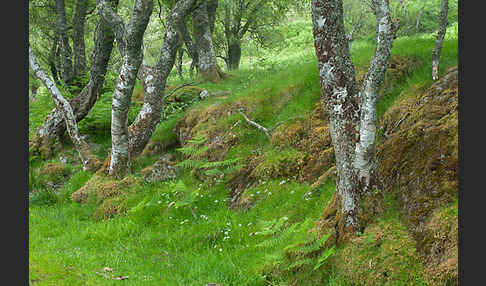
384,254
280,163
56,172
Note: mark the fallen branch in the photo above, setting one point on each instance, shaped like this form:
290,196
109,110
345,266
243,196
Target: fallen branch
258,126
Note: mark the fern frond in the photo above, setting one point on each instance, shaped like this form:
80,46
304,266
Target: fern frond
300,263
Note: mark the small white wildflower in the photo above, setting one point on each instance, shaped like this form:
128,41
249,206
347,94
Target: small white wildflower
292,192
256,233
285,218
258,192
170,217
282,182
228,223
251,233
216,201
252,195
220,249
159,202
269,193
239,224
307,199
249,224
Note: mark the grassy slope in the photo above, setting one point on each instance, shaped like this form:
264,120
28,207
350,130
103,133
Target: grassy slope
67,245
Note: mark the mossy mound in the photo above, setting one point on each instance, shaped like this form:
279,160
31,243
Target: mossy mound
111,207
398,68
163,169
183,94
100,187
440,246
56,172
282,163
206,123
310,136
418,160
418,155
384,254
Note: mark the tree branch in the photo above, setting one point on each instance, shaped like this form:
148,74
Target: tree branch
116,21
258,126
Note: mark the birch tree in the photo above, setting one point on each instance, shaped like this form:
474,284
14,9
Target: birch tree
79,67
129,39
444,8
127,141
208,67
351,109
89,161
54,125
243,16
66,51
154,79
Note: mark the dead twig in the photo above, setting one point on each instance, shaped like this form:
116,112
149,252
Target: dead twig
258,126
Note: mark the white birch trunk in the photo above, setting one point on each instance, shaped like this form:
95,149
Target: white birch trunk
207,63
352,113
444,8
129,41
154,80
67,113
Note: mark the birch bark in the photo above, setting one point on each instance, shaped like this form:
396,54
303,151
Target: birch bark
154,80
444,8
66,52
54,125
89,161
78,38
352,112
207,63
129,41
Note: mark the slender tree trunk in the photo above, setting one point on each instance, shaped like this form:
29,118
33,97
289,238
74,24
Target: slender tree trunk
154,80
180,55
351,33
129,41
207,64
78,39
53,58
352,112
444,8
212,7
66,57
191,48
418,20
234,54
54,125
89,161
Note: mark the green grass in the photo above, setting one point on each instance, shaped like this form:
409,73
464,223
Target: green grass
187,245
153,249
